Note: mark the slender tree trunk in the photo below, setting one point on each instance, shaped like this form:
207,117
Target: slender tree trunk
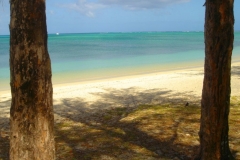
31,114
219,21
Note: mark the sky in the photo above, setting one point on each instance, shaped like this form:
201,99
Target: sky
86,16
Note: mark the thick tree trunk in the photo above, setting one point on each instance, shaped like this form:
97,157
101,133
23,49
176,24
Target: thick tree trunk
219,34
31,114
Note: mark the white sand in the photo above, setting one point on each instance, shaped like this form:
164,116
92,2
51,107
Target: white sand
186,81
174,82
178,86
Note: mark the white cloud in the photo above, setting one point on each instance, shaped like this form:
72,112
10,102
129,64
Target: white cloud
141,4
85,7
88,7
50,11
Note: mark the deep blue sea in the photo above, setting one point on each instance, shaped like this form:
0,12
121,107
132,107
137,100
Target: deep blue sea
87,56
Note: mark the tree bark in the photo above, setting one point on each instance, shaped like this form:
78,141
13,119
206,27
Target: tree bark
219,35
31,113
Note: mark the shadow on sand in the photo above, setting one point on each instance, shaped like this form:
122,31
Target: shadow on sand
236,71
101,130
4,129
125,124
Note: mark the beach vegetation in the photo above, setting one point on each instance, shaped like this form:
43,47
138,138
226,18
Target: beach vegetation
165,131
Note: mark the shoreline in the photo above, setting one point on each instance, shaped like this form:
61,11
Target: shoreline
107,76
77,76
165,75
130,73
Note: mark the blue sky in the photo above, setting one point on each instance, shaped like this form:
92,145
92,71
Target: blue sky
81,16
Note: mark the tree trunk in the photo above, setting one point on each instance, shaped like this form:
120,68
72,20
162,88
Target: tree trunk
31,114
215,103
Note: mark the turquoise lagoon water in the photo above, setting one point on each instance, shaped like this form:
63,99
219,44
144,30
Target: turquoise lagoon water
88,56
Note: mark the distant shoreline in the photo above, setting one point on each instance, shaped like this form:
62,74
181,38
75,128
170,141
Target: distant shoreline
116,32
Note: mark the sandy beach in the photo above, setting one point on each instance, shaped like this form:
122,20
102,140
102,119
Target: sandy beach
80,102
178,86
182,84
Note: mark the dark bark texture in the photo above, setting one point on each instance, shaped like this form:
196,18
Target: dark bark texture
31,114
219,35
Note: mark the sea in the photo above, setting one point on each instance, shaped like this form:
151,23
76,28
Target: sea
80,57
